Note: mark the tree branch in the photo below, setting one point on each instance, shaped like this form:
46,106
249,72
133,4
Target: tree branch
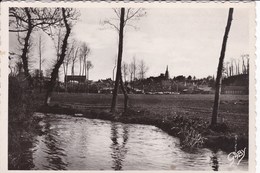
131,16
111,24
10,30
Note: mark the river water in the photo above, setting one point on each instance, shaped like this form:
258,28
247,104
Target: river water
77,143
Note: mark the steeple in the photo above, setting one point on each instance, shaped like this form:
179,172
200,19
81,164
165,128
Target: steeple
166,73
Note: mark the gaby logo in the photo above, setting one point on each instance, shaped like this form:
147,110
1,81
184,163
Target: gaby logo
236,156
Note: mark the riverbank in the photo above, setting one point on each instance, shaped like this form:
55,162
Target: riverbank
233,109
192,132
22,103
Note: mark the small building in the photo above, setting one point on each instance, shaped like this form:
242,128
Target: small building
106,90
73,78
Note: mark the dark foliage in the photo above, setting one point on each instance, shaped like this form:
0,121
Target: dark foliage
21,125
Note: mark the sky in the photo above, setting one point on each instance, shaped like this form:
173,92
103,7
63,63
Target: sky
187,40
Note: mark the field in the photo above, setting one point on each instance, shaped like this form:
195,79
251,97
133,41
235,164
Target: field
233,108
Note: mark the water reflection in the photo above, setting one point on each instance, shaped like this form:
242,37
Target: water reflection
55,154
76,143
118,150
214,161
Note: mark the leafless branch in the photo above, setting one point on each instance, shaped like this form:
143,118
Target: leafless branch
111,24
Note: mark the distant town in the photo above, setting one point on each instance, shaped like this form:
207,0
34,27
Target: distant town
161,84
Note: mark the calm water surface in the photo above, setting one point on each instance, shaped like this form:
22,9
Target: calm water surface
75,143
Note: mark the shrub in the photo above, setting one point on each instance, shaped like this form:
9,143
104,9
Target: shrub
22,104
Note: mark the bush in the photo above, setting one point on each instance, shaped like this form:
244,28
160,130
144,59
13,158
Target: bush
22,104
191,138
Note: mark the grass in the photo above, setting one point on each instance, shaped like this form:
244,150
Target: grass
233,108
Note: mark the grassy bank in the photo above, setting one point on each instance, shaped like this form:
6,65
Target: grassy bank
233,108
184,116
21,124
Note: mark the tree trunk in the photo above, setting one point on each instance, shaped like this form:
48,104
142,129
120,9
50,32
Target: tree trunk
40,63
83,67
243,67
220,67
87,80
80,66
86,68
26,48
227,70
72,68
247,70
55,71
119,60
66,73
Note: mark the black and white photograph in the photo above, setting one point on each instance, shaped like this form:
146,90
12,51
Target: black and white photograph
124,87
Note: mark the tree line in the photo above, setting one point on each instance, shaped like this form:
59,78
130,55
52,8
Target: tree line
134,70
236,67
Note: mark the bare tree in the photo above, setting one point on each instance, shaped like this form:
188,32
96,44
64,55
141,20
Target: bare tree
66,62
114,69
133,71
232,67
220,67
238,66
57,39
89,66
75,54
84,52
134,68
130,74
125,70
41,48
68,15
142,69
247,69
227,69
245,63
125,15
119,60
24,21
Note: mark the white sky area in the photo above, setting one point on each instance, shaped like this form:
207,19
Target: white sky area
187,40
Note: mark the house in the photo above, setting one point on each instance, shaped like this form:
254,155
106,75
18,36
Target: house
74,78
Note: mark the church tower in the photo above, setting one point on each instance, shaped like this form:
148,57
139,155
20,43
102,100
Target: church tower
166,73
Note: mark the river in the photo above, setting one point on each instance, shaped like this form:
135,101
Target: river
77,143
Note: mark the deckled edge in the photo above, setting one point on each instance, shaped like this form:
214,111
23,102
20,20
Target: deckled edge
137,1
257,85
255,63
